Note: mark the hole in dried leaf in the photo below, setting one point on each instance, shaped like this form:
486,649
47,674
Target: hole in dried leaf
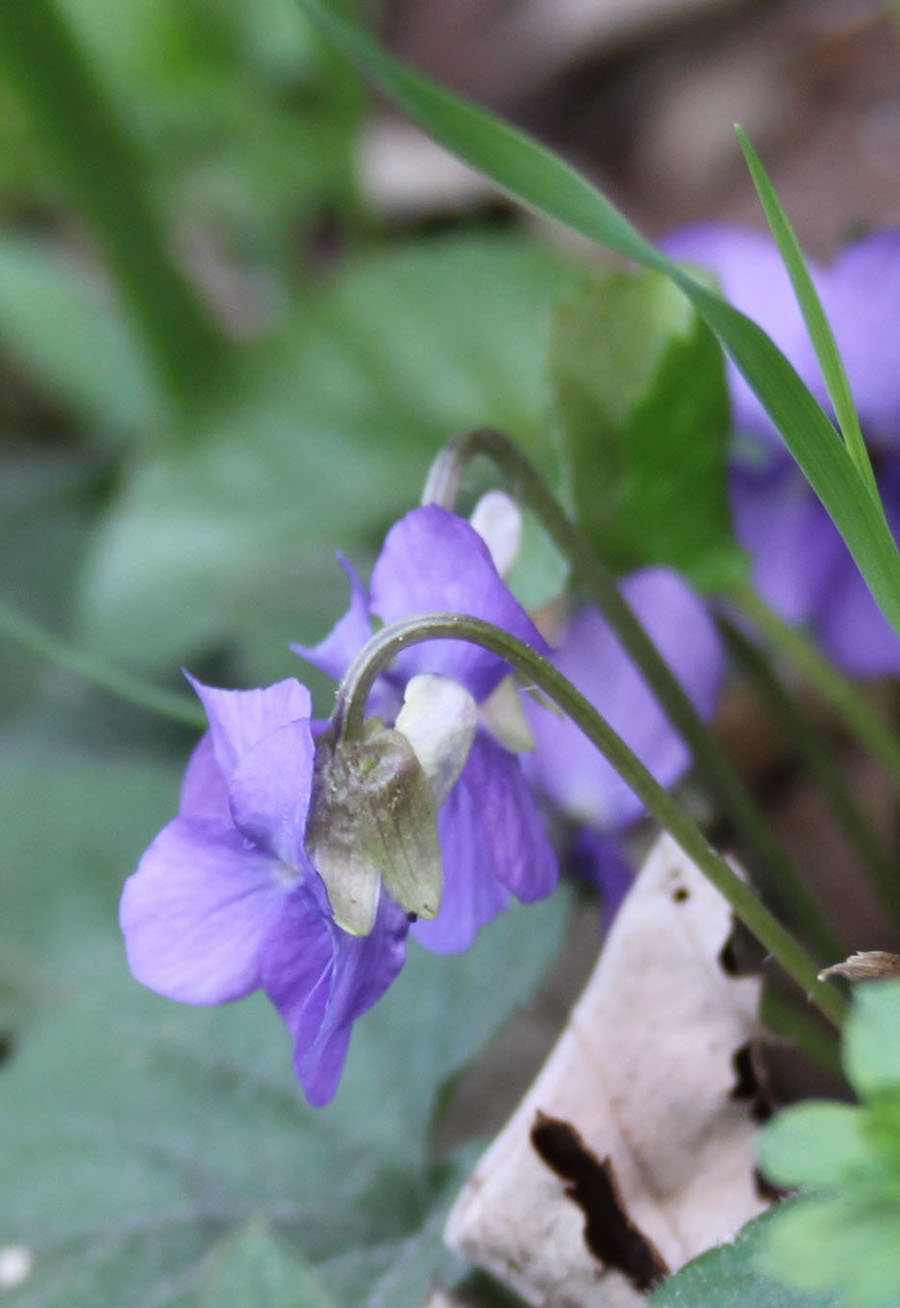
749,1084
609,1233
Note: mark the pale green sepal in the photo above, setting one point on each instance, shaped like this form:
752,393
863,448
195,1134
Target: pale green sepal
504,713
439,719
373,818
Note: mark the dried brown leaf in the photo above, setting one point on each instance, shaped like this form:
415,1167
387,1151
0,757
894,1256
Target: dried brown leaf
645,1073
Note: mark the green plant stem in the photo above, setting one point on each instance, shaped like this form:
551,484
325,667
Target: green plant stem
837,690
349,716
785,1017
113,680
813,749
817,324
723,781
77,125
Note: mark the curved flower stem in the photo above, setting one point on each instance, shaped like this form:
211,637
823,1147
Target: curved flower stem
770,861
113,680
807,740
836,689
349,716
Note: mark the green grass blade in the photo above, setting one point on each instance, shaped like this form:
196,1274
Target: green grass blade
817,324
77,126
543,181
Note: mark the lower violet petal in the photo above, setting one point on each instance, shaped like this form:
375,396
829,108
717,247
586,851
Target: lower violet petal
196,910
321,979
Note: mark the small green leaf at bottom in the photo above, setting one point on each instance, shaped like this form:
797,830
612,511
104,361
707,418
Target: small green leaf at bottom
253,1268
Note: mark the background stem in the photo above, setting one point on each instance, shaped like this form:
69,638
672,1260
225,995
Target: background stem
837,690
77,125
806,738
167,703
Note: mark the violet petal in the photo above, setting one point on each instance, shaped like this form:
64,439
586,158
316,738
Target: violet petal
753,278
566,765
851,627
240,719
861,296
793,542
203,790
321,979
435,562
195,911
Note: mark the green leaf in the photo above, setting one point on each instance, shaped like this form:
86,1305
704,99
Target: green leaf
67,336
545,182
234,539
645,426
850,1248
729,1277
872,1039
812,1145
140,1136
62,877
255,1269
817,324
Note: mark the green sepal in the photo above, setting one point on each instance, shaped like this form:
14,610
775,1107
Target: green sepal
373,819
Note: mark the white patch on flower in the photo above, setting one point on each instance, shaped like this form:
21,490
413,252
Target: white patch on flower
498,520
16,1265
439,719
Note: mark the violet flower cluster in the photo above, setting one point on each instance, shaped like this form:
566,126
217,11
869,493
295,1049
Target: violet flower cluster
227,899
801,565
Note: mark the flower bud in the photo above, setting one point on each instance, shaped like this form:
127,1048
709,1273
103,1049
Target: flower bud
373,819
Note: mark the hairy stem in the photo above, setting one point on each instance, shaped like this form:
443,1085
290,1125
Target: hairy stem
349,715
768,860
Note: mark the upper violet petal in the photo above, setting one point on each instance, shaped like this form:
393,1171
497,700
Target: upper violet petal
321,979
566,766
240,719
861,297
754,279
435,562
335,653
269,791
195,911
851,627
793,542
473,894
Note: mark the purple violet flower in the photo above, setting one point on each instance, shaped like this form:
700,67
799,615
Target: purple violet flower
226,901
492,838
801,565
574,775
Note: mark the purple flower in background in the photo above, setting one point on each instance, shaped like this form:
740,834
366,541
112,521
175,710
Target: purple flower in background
226,901
801,565
492,838
568,769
